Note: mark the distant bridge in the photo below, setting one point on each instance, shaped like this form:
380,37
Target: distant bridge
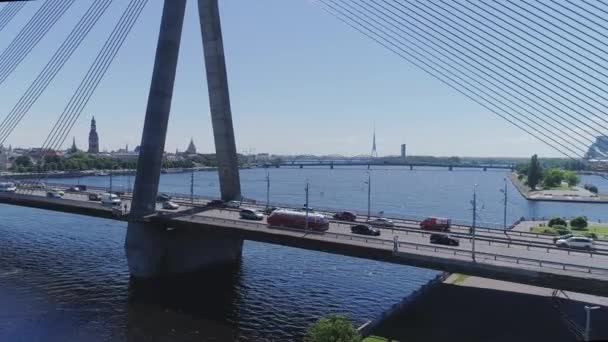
301,163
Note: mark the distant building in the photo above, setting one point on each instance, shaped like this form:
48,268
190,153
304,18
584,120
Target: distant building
599,149
93,138
403,151
191,148
73,149
5,155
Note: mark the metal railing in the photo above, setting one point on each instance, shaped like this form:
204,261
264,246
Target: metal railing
416,246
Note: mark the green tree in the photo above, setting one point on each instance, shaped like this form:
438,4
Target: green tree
552,177
579,223
571,178
23,161
535,172
557,221
333,328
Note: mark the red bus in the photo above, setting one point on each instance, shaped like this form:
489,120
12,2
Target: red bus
297,219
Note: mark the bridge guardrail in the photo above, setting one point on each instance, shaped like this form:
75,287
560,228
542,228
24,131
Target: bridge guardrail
417,246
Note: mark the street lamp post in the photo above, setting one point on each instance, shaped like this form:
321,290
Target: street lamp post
267,190
473,226
504,219
588,321
306,206
192,187
369,195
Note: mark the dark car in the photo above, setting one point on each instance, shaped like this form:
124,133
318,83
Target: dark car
94,197
163,198
364,229
442,239
216,204
345,216
269,210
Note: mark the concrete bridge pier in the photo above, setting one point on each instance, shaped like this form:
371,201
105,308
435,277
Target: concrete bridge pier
450,168
411,167
154,250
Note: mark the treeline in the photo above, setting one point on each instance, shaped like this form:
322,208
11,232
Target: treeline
82,162
535,174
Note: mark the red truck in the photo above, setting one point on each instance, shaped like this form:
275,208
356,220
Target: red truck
436,224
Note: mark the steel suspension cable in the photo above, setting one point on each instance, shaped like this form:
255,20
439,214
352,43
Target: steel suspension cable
52,68
42,21
470,70
567,23
603,89
589,126
447,79
95,74
110,51
561,44
87,86
9,11
516,69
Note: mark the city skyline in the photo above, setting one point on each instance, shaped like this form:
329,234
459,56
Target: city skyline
325,77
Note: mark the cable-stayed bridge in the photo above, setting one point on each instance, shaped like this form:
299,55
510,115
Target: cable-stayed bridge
539,65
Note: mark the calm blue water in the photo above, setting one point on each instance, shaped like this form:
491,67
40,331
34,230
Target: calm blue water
64,277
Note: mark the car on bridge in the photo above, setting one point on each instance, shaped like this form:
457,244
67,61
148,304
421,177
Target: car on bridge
110,199
443,239
363,229
562,237
269,210
233,204
55,194
8,187
94,197
163,198
168,205
436,224
250,214
215,204
577,242
381,222
346,216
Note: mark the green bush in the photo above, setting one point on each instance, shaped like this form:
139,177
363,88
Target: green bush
557,221
549,231
590,235
579,223
592,188
333,328
561,230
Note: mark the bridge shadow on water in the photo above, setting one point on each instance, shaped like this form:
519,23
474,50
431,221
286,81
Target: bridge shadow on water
191,307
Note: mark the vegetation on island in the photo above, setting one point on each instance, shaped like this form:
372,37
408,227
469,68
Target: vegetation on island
332,328
535,176
578,226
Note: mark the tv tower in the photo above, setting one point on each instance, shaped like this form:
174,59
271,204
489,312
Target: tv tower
374,152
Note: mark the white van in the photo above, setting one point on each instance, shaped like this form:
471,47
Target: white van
110,199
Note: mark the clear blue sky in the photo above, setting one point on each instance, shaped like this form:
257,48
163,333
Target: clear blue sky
300,81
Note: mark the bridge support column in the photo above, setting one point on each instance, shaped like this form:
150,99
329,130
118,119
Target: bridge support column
450,168
485,168
152,249
219,100
411,167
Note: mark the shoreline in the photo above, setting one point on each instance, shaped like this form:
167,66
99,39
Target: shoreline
525,193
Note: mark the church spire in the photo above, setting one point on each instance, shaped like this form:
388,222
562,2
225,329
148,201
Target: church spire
93,138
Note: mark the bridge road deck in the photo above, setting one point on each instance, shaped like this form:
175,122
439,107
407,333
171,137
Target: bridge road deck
574,271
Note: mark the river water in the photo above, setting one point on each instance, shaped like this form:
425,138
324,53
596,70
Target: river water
64,277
